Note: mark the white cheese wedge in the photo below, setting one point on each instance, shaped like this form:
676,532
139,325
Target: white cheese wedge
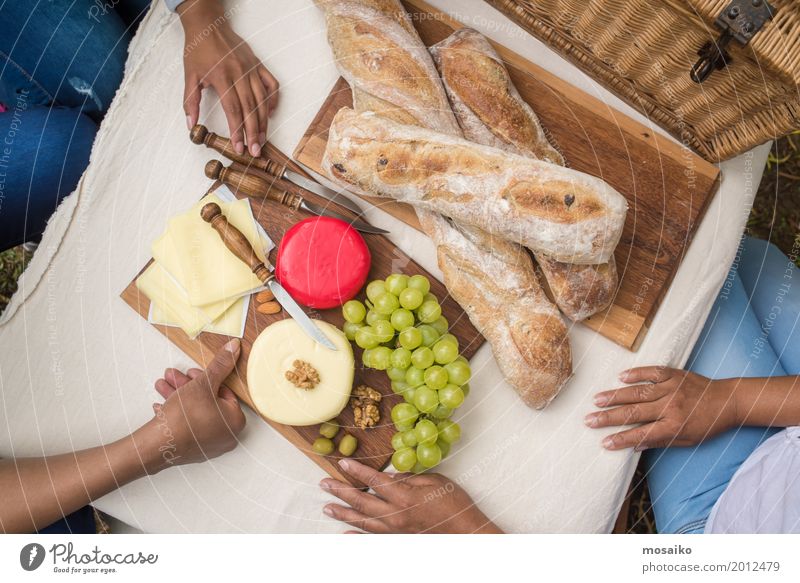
193,253
274,352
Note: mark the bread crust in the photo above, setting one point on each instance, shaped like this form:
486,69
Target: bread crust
487,105
491,111
525,330
568,215
529,340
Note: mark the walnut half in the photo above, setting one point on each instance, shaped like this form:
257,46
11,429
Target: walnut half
303,375
364,402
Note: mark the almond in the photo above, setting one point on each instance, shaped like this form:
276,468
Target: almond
269,308
265,296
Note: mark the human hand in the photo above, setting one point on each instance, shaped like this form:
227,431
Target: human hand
200,416
404,503
674,408
215,56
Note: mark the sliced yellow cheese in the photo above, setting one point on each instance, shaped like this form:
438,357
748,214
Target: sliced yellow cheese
194,255
274,352
230,323
171,306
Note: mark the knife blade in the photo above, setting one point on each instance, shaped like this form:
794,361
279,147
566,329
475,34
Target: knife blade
238,244
355,223
323,191
257,186
296,312
199,134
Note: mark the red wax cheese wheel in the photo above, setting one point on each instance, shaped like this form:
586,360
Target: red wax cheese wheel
322,262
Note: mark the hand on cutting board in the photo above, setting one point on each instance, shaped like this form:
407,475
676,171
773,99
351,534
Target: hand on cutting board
404,503
215,56
674,408
200,417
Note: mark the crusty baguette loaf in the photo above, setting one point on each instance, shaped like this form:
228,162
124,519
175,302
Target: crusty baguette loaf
491,111
580,291
487,105
568,215
493,280
388,74
537,365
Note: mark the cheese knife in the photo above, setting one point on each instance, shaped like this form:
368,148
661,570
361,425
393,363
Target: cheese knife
238,244
200,135
257,187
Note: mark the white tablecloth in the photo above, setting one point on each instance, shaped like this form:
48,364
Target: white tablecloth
77,365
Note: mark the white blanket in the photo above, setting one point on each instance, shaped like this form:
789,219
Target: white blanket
77,365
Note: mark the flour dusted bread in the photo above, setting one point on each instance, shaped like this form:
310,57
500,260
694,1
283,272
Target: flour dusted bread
388,68
580,291
491,111
566,214
536,364
508,307
488,107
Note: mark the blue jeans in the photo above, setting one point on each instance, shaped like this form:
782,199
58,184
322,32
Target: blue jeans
61,62
753,331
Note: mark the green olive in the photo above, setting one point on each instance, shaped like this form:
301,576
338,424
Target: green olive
348,445
329,429
323,446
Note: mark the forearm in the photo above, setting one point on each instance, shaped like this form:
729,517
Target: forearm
766,402
38,491
194,13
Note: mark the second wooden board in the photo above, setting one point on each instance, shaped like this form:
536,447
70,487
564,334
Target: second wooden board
667,187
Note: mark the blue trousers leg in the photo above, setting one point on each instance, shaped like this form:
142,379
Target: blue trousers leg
772,281
685,483
43,153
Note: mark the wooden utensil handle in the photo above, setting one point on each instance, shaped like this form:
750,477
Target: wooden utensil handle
235,240
200,135
251,185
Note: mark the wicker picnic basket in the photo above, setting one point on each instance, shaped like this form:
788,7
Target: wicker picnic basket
643,50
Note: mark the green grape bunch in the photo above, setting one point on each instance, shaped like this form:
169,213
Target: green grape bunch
402,331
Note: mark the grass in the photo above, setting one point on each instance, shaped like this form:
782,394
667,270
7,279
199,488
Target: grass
12,264
776,209
775,217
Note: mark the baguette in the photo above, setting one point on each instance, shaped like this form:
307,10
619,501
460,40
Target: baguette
526,332
390,74
537,365
565,214
491,111
488,107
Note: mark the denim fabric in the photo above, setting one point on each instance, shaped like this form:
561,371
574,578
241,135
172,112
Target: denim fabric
43,152
65,52
61,62
752,331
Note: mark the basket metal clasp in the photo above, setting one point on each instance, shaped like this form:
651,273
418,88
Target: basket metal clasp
739,21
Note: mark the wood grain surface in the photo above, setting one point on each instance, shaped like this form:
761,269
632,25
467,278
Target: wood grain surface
374,444
668,187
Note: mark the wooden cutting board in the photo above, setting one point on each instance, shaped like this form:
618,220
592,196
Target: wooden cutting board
374,444
668,187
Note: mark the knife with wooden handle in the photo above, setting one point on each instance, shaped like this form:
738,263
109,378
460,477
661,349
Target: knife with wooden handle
257,187
200,135
238,244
